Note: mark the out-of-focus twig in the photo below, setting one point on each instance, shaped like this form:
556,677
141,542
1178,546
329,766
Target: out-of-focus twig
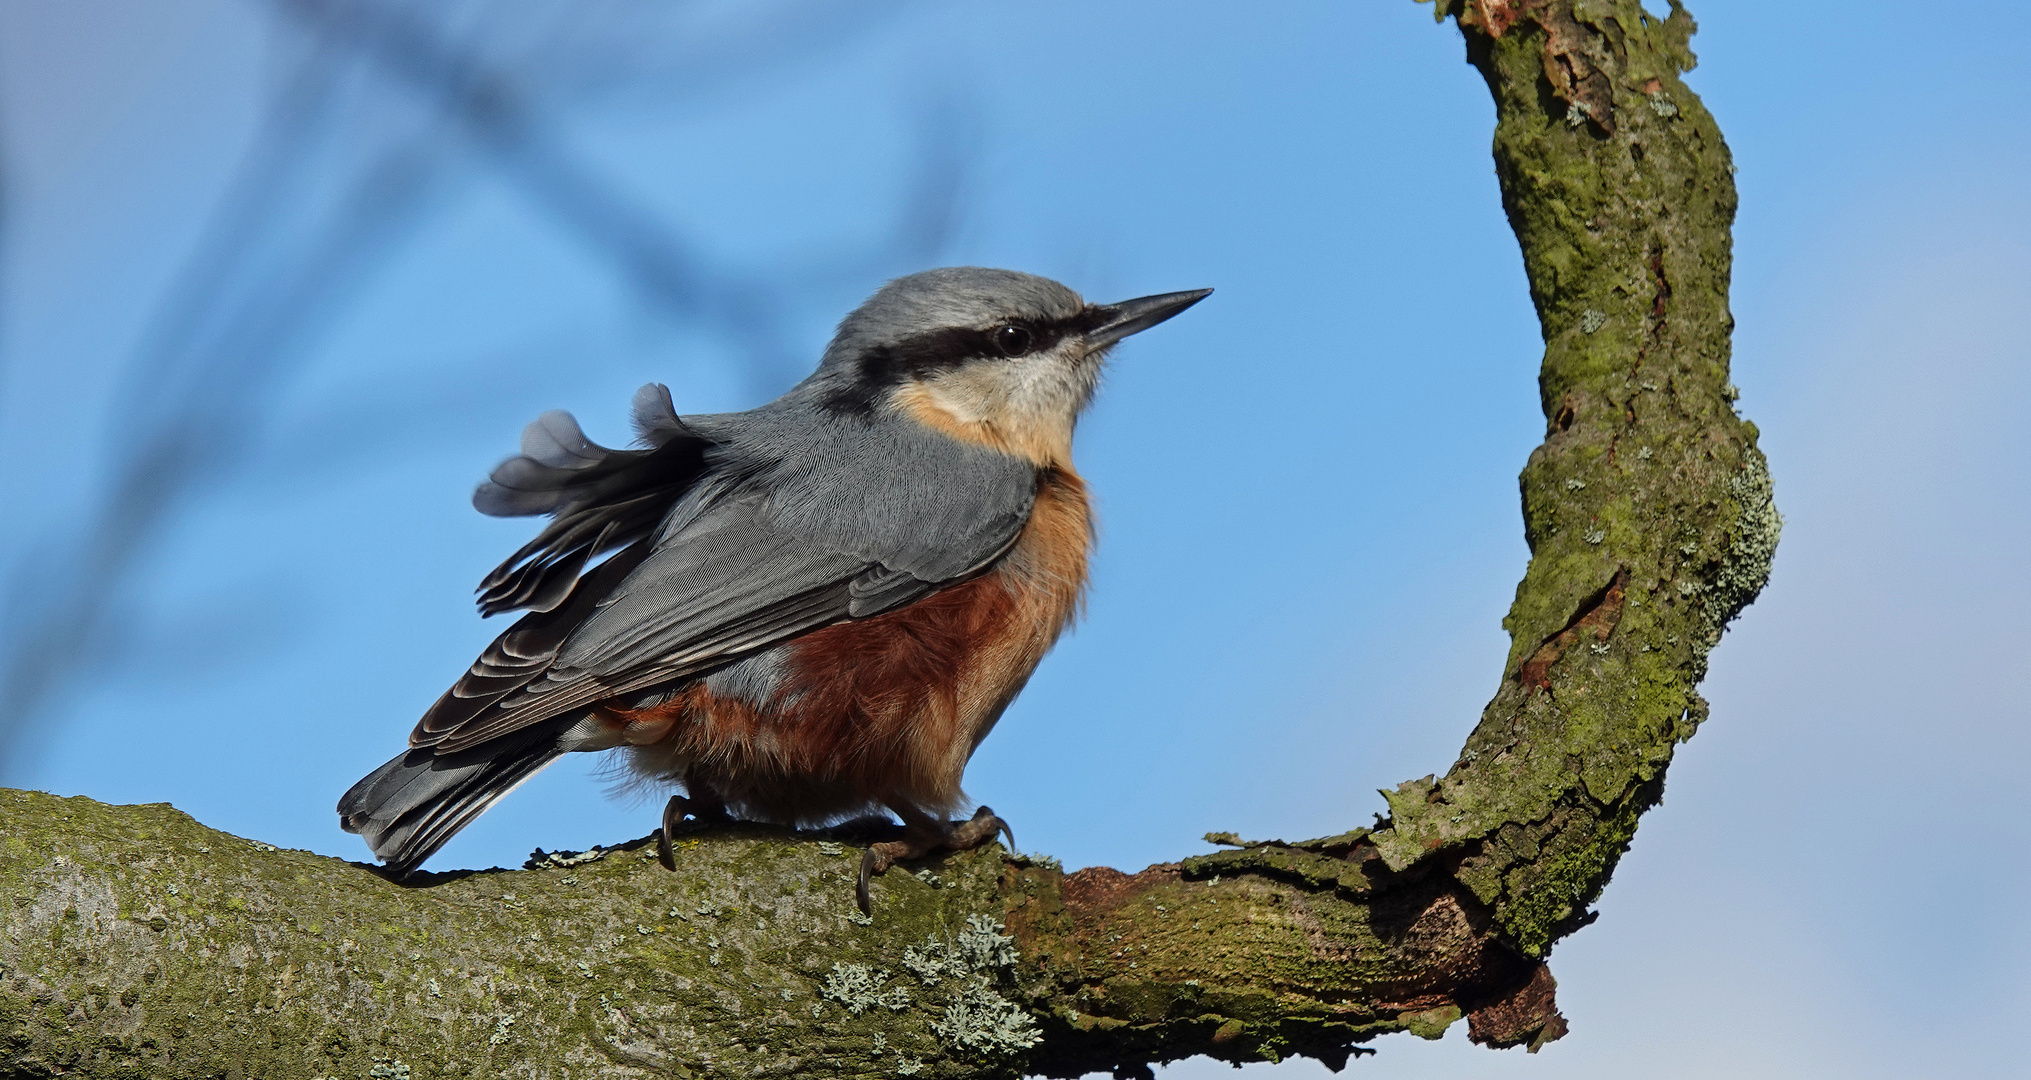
340,173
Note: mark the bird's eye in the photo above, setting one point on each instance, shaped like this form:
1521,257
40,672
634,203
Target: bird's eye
1012,341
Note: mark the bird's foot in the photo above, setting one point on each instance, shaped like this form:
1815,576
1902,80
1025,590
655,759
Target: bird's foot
700,811
924,837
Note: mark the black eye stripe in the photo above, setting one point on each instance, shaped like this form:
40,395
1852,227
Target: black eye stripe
921,356
942,350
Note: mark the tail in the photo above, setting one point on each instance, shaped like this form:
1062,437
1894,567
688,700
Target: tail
413,805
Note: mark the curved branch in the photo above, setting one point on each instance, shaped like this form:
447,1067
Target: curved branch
137,939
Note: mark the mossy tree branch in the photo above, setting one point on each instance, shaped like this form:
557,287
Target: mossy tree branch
139,943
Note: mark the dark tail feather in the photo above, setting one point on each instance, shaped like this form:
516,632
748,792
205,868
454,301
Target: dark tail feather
411,806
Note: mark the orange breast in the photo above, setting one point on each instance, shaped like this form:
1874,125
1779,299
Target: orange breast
889,708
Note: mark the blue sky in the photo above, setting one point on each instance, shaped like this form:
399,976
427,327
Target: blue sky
1309,528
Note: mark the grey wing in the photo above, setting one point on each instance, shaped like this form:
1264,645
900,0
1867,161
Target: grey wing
602,499
733,571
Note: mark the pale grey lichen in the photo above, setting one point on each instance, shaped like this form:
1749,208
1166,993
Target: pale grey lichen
933,962
1745,565
1663,105
980,948
858,987
1592,320
388,1069
982,1021
501,1026
558,860
978,1019
985,947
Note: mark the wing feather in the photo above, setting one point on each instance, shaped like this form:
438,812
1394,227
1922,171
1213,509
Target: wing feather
746,550
602,499
701,597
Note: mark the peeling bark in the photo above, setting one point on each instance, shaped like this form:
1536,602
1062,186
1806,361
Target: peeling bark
138,942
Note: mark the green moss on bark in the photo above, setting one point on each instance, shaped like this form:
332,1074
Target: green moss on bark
1648,508
141,943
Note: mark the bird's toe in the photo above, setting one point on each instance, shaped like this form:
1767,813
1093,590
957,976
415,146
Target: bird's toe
978,830
877,859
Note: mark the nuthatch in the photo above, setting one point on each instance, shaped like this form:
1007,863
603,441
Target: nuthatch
808,611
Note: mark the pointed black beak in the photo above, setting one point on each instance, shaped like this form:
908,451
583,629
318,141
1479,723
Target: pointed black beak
1117,321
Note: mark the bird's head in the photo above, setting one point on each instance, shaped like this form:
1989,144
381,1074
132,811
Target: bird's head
993,357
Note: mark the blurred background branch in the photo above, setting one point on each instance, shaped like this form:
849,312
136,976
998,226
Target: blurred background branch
385,113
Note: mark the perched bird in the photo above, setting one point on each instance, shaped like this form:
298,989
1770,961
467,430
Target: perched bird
808,611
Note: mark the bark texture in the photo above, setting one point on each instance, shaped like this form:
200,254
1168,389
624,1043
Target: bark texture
139,943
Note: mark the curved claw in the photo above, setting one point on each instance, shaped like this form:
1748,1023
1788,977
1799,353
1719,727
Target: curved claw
673,812
1000,825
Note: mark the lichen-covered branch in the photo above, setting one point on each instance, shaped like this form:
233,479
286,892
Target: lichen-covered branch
138,943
